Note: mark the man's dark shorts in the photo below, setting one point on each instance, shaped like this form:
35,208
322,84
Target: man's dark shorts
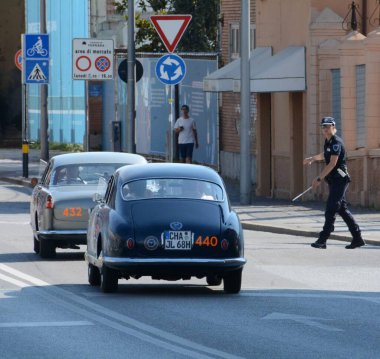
186,150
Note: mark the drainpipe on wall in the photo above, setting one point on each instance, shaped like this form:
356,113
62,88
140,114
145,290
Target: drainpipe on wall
364,17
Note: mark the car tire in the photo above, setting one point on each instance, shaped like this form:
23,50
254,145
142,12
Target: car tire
36,245
214,280
47,249
108,280
232,282
93,275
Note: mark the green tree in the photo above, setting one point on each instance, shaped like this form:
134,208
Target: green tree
200,36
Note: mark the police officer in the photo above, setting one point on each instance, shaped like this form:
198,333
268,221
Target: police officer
336,175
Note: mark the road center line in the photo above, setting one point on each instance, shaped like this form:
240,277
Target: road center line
45,324
63,297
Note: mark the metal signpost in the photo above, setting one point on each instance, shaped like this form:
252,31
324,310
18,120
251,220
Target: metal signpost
171,68
35,64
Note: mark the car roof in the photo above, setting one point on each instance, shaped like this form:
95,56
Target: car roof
168,170
97,157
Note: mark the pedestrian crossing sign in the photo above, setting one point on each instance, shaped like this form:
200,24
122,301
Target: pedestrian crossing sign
37,71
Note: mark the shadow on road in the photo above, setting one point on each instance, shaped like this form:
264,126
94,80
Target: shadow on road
14,207
32,257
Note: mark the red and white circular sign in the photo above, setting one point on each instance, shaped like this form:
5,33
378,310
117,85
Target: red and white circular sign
18,59
83,63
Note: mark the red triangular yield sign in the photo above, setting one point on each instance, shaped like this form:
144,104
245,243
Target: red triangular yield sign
170,28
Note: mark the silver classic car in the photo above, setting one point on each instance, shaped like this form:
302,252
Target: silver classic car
61,201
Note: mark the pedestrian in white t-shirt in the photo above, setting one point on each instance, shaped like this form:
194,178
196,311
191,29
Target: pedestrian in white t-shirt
186,129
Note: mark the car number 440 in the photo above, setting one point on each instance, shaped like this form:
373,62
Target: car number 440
207,241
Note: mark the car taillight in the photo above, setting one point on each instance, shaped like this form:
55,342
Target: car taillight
130,243
49,202
224,244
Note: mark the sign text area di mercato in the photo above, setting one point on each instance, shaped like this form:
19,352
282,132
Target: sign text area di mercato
93,59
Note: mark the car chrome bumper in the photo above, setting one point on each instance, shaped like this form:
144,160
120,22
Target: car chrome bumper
167,266
76,236
175,261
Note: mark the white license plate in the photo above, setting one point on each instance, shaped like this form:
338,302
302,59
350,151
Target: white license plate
178,240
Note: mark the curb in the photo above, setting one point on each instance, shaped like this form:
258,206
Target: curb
19,181
298,232
248,226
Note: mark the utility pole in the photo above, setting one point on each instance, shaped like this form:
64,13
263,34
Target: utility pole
44,123
245,94
131,113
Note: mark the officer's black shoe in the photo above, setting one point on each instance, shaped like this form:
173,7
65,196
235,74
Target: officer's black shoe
319,244
356,243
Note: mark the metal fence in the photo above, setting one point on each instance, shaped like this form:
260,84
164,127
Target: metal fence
153,108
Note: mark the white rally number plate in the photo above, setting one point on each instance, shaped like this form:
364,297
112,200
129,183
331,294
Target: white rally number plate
178,240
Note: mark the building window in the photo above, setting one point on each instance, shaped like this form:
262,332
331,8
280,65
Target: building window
235,40
360,106
336,99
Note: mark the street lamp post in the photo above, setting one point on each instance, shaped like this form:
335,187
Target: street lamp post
44,123
131,114
245,93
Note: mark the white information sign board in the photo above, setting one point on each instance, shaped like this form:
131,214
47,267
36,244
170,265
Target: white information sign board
93,59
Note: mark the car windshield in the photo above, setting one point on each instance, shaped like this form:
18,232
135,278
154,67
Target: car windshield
83,174
172,188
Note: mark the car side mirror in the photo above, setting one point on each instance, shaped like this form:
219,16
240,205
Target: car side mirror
33,182
97,197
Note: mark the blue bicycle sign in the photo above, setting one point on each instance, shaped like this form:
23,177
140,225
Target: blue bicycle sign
36,46
170,69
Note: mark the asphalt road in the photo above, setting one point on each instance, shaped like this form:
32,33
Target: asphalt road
296,302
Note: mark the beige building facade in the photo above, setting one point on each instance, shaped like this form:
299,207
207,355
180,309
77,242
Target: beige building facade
343,81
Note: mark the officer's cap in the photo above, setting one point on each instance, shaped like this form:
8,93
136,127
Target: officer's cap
330,121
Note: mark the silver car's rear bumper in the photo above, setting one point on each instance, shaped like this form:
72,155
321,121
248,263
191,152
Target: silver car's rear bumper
78,236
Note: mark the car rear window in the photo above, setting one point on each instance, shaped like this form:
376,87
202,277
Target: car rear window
172,188
83,174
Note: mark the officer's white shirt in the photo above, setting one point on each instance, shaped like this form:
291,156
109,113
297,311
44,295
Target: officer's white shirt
187,134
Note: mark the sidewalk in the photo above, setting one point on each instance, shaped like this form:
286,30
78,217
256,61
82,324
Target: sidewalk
265,214
11,165
301,218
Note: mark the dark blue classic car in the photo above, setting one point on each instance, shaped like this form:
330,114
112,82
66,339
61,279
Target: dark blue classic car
167,221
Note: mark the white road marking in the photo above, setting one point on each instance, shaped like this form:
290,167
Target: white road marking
45,324
310,321
16,223
100,314
11,280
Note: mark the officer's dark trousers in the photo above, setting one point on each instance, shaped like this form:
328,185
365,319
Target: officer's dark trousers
336,204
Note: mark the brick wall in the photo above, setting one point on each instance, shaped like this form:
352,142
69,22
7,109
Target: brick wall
229,114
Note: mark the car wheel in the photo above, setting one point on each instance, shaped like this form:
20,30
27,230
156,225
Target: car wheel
232,282
214,280
36,245
93,275
47,249
108,280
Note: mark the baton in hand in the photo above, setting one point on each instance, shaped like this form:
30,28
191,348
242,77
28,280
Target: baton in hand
300,195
